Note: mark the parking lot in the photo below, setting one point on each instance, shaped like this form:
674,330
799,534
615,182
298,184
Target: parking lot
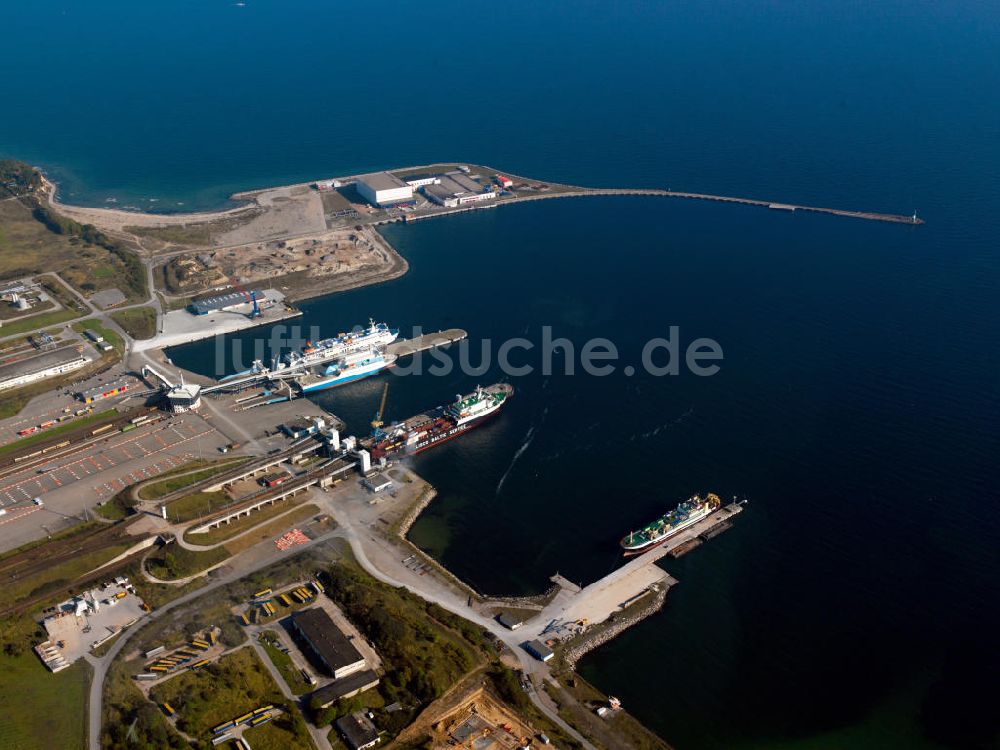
69,484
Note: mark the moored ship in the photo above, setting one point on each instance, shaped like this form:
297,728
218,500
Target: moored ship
348,369
684,515
375,335
420,432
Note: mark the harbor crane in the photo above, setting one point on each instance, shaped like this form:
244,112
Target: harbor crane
378,421
250,297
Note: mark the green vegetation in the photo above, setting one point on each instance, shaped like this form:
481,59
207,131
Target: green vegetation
29,248
41,320
270,530
60,429
18,179
118,507
177,234
110,336
10,312
131,275
173,561
121,505
197,505
78,530
58,576
138,322
237,683
180,478
240,525
41,709
425,649
12,403
371,699
283,662
578,701
126,710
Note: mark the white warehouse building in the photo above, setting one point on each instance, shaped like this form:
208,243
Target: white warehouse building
383,188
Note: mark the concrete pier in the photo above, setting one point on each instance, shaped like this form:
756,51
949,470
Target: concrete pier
574,608
405,347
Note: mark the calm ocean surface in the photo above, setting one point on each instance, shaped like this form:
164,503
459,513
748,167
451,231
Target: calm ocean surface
855,603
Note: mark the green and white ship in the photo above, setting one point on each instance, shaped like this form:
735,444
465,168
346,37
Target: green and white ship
684,515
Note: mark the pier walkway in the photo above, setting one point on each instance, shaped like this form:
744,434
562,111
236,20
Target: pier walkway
405,347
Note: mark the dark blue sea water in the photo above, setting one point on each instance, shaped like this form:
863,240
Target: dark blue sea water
854,605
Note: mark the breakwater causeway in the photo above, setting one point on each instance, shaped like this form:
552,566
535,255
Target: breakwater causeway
791,207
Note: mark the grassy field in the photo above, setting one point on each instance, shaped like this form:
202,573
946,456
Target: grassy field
110,336
51,432
180,479
34,322
283,662
138,322
173,561
579,710
41,710
10,312
234,528
237,683
272,529
199,234
28,248
197,505
61,574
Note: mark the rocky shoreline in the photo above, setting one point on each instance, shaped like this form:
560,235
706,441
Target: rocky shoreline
588,642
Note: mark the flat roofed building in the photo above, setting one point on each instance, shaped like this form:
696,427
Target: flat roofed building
457,189
225,302
420,180
358,731
384,188
328,644
299,428
41,366
346,687
539,650
509,621
103,391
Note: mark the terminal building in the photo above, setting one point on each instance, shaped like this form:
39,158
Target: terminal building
384,189
324,639
457,189
42,366
232,302
183,397
103,391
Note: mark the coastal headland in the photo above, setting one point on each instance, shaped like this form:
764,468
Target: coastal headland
316,238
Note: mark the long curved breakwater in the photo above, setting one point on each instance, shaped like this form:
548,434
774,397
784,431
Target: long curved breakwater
868,215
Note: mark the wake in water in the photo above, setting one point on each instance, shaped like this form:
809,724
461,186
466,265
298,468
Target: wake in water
520,451
666,425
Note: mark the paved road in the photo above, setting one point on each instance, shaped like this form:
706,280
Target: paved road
431,590
101,665
319,736
368,547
